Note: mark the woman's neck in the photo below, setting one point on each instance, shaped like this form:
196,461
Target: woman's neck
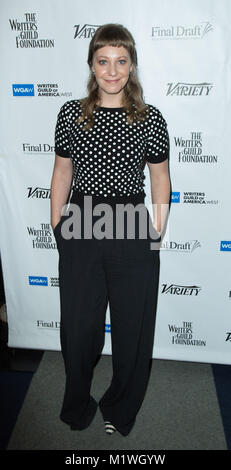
110,101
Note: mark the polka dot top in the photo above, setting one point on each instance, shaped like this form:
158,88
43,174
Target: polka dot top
109,158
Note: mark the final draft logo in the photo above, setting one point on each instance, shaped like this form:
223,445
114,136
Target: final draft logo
37,149
48,325
86,31
190,150
198,31
180,247
55,325
27,34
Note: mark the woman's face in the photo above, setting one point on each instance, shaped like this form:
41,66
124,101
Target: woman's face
112,66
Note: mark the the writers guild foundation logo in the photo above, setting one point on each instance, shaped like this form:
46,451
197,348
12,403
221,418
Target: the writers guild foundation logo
183,335
86,31
190,150
42,237
27,33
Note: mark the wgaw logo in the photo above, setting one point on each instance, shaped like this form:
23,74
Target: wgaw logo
225,245
23,90
38,281
86,31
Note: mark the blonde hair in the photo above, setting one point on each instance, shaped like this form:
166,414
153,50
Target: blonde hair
114,35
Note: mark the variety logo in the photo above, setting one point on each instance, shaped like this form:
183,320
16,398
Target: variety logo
39,193
228,337
38,281
23,90
27,35
176,289
189,89
86,31
225,245
191,150
183,335
175,197
182,32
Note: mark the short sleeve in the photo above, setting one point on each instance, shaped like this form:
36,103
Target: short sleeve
157,146
62,130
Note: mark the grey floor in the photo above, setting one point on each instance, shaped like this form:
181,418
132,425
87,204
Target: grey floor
180,411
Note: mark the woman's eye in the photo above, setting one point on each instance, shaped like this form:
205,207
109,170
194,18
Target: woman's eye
103,62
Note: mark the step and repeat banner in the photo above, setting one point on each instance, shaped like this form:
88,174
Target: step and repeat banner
184,66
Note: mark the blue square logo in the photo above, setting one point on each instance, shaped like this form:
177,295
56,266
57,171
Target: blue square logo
225,245
175,197
23,90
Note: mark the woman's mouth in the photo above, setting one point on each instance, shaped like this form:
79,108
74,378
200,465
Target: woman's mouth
112,81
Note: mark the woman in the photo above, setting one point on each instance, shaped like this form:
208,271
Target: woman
102,143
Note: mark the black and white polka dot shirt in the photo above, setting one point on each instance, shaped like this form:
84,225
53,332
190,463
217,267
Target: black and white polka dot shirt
109,159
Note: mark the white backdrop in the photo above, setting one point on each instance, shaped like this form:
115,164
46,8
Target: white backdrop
184,67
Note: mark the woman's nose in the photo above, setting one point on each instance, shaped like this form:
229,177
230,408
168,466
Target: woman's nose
112,69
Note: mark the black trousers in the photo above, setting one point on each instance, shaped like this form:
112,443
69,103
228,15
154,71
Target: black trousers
93,272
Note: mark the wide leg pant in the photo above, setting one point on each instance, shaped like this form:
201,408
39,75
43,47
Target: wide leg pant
93,272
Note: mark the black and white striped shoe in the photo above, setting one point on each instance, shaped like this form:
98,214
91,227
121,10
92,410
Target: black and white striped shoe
109,428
